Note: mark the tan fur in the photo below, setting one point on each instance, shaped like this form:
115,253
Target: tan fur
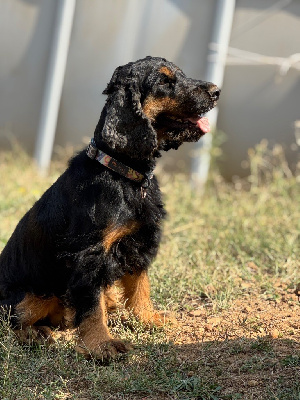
153,106
93,330
165,70
136,296
95,339
113,234
33,308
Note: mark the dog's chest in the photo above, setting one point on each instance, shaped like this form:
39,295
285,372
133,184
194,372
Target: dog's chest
135,237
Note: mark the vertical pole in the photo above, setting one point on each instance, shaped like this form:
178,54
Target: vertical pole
54,83
214,73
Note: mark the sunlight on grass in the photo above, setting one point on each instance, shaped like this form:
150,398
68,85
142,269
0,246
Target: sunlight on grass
237,239
235,234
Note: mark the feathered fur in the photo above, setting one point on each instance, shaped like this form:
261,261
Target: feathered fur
92,227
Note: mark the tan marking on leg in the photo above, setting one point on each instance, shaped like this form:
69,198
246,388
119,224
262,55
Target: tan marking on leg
114,233
152,106
95,339
93,330
33,308
136,296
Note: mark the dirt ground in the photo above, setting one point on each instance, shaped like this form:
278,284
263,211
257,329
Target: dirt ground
251,349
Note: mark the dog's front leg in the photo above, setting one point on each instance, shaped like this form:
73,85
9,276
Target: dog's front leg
94,338
136,296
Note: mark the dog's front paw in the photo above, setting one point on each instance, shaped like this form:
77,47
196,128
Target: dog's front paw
105,351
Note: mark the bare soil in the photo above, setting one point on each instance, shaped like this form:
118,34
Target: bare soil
251,349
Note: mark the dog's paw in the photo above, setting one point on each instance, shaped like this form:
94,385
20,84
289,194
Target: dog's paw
105,351
35,335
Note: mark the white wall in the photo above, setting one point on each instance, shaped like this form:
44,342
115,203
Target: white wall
255,102
25,30
109,34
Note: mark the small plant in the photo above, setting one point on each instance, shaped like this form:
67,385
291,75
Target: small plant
262,345
291,361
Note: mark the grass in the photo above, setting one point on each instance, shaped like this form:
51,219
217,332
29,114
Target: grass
212,245
232,255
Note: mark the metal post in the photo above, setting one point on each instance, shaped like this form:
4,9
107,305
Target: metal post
214,73
54,83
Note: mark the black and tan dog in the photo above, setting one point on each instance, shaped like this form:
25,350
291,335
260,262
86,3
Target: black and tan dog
100,222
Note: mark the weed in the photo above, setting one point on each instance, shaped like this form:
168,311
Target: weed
292,360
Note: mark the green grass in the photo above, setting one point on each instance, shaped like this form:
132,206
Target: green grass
211,242
238,239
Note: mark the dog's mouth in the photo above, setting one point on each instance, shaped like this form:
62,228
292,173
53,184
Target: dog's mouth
199,122
196,123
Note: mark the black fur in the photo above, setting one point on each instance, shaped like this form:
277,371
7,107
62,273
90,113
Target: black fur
57,247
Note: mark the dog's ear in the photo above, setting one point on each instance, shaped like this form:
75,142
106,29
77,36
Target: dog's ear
112,84
123,125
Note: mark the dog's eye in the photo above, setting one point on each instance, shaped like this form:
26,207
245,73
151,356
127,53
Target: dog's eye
166,80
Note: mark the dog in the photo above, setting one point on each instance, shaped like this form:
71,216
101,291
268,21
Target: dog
100,222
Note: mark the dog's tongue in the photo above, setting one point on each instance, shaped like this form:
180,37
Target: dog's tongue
202,123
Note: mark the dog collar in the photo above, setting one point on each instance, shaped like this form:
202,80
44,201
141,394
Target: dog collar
94,153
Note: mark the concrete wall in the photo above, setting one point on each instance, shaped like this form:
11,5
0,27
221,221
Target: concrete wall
25,30
256,102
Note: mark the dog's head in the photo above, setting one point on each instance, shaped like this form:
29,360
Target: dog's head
153,106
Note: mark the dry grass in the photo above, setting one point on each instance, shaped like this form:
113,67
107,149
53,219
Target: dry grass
228,267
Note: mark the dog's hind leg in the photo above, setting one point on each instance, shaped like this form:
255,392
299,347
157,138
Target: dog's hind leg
27,314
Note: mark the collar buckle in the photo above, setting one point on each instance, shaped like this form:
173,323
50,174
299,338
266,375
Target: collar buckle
92,150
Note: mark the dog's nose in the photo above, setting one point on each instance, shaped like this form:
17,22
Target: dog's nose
214,92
